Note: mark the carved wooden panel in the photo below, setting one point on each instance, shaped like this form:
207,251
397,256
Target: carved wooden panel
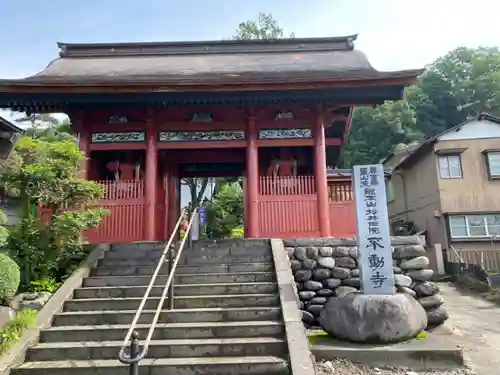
203,136
303,133
118,137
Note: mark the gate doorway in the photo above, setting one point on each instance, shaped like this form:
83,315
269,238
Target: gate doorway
209,179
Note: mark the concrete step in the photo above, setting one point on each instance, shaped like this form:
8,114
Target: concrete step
183,269
187,259
143,246
162,366
181,302
168,331
248,243
210,278
234,244
231,314
248,346
179,290
195,252
228,259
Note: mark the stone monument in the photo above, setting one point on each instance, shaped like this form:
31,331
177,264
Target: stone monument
376,313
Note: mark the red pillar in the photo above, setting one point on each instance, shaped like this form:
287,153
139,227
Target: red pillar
252,184
83,143
321,178
150,180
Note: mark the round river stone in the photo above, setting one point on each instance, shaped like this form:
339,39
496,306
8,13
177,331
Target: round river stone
365,318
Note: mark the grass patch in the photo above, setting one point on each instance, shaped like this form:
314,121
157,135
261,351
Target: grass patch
12,331
320,337
470,284
315,338
493,296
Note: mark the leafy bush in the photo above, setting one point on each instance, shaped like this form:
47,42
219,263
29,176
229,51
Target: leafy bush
48,284
11,333
45,174
4,232
9,277
237,232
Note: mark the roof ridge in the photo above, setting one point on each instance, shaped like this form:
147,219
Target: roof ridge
341,43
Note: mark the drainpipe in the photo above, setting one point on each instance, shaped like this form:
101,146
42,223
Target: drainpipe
405,194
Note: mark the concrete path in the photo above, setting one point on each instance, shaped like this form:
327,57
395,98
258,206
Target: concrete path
476,325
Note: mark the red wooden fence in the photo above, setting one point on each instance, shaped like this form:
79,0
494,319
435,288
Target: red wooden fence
287,207
125,202
342,209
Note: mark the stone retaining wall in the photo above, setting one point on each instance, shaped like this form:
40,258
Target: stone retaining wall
325,268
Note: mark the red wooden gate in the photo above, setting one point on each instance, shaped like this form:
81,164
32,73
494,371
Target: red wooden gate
124,223
287,207
342,209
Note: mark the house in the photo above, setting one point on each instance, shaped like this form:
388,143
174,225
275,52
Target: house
449,187
9,134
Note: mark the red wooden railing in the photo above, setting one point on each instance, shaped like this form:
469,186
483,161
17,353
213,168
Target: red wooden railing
340,191
287,207
125,202
342,209
300,185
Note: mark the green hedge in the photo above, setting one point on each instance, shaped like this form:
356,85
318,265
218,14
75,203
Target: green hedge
10,277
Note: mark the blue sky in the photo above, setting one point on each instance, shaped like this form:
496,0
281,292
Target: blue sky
395,34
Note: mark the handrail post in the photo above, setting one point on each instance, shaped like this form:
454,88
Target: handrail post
171,296
190,240
189,233
131,338
134,352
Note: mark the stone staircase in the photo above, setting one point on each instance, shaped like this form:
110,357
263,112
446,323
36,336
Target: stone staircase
227,317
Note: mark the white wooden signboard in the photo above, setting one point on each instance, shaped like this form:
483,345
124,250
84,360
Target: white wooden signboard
373,233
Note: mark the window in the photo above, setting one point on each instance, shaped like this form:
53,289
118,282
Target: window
493,164
475,226
449,166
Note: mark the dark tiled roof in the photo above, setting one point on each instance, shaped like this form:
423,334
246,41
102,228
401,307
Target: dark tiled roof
255,61
347,173
9,126
416,153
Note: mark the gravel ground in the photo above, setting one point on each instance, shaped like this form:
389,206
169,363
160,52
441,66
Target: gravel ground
343,367
476,324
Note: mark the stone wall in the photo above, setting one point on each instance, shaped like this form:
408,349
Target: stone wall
325,268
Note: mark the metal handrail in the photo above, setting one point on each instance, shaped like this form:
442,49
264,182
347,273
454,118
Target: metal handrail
131,339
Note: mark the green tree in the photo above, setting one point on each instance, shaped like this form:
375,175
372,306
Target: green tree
197,188
427,118
265,27
4,233
457,86
225,212
47,127
45,174
464,77
377,131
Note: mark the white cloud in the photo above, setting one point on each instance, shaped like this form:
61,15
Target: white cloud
399,34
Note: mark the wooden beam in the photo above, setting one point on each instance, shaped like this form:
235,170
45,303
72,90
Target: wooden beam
155,87
185,145
117,146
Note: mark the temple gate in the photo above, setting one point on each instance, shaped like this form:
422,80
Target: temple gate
276,113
